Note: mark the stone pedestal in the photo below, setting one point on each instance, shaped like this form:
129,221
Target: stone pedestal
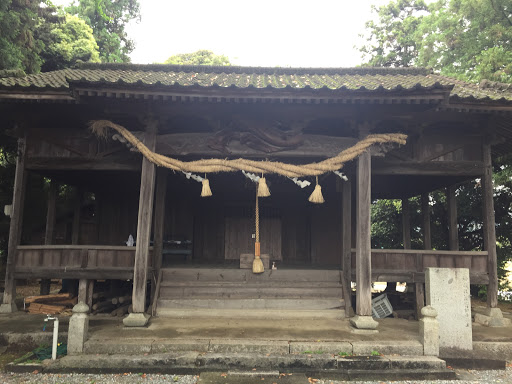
8,308
78,328
429,331
447,290
364,323
136,320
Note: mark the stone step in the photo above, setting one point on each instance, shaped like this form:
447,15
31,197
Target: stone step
246,275
278,304
351,368
260,314
240,291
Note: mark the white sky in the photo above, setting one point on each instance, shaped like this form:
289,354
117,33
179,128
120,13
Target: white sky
294,33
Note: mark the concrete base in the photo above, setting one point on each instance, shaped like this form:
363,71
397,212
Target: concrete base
363,322
136,320
8,308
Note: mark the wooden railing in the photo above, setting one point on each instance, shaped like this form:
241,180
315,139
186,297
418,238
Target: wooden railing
76,261
408,265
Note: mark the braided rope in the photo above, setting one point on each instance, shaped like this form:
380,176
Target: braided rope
257,219
100,128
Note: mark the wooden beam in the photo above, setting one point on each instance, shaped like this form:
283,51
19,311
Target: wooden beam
453,230
8,304
406,223
346,260
433,168
489,227
160,194
363,240
144,221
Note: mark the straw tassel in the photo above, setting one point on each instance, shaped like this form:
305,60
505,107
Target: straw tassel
317,197
263,190
206,188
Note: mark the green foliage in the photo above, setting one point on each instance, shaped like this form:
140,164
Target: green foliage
66,43
201,57
374,353
467,39
108,20
18,47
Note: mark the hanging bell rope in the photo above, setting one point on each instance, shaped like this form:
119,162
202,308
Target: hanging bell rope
317,197
257,264
101,127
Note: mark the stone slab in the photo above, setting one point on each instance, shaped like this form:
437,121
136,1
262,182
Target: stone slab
447,290
177,345
219,377
411,347
120,346
249,346
416,362
325,347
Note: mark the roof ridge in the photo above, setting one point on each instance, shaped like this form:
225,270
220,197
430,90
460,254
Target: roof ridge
256,70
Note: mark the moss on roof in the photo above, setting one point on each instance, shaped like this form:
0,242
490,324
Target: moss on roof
353,79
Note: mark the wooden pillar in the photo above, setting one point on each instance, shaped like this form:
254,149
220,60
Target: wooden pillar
144,221
425,213
363,240
406,223
453,231
15,228
75,236
160,194
346,261
419,288
49,236
489,227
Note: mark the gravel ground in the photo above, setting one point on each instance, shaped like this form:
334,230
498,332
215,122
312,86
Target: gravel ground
464,377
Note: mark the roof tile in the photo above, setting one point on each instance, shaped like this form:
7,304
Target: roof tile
371,79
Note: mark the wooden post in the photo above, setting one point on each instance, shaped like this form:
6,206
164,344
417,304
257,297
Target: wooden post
161,189
406,223
489,227
425,213
419,288
453,230
75,236
15,228
49,236
346,261
363,240
144,221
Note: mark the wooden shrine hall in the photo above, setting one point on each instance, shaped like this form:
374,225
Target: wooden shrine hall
134,220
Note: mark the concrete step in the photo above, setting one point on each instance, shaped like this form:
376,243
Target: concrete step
245,275
241,291
278,304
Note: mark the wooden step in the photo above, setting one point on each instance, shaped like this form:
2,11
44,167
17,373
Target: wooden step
172,292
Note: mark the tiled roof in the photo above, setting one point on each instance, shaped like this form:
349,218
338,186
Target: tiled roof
354,79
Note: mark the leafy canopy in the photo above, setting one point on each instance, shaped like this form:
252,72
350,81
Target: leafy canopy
467,39
108,20
201,57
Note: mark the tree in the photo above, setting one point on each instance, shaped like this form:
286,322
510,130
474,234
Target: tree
19,49
108,20
467,39
201,57
66,43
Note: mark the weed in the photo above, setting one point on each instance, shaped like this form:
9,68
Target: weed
374,353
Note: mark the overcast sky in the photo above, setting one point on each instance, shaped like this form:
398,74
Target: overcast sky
295,33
